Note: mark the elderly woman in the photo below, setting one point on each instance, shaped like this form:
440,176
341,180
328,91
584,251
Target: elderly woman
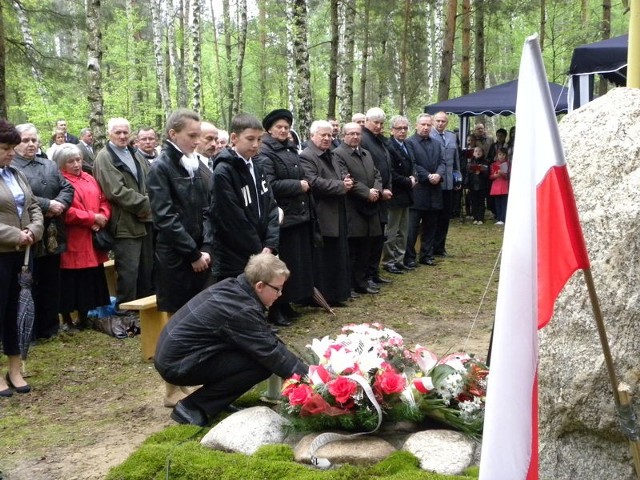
281,163
81,265
54,195
21,224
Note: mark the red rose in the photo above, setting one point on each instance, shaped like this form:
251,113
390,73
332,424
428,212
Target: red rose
389,382
290,383
342,389
314,405
300,394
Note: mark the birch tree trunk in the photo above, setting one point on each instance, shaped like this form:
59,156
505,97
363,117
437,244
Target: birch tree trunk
31,51
196,103
242,43
333,60
404,48
177,63
3,75
434,25
465,74
291,60
216,53
305,99
161,70
444,83
94,72
365,55
345,72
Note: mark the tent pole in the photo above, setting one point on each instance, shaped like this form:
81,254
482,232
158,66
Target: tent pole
633,54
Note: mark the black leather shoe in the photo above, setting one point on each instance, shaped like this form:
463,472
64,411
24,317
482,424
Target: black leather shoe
373,285
393,269
443,254
354,294
369,290
411,265
231,408
277,318
24,389
188,416
427,261
289,312
381,281
7,392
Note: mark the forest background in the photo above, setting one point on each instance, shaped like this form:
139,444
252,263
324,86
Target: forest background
90,60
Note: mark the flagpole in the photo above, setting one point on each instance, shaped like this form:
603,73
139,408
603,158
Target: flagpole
626,414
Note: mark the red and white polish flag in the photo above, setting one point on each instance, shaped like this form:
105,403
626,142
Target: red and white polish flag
542,247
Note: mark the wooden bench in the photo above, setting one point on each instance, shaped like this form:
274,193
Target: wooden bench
151,323
110,274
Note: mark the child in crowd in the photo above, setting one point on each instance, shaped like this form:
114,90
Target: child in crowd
500,186
477,184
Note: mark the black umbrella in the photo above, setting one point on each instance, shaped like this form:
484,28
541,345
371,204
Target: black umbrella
26,310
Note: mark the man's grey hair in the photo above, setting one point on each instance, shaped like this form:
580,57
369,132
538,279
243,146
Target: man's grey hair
423,115
317,125
398,118
114,122
84,131
375,113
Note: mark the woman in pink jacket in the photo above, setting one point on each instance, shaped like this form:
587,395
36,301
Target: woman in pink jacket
82,270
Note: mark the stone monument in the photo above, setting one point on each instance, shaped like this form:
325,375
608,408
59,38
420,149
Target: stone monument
579,432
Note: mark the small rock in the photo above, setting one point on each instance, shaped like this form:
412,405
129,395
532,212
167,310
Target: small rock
441,451
363,450
247,430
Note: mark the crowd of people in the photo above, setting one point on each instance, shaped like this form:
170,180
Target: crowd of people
201,217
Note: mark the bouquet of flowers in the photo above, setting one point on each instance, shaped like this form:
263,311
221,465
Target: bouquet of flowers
366,375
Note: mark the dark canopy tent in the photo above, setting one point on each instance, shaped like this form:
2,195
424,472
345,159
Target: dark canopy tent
498,100
607,58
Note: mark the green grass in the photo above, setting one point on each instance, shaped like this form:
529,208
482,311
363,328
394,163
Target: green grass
176,453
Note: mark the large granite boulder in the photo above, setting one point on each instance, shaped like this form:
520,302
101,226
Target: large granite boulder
579,432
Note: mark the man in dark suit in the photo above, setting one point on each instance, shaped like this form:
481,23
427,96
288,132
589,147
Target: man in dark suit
86,148
61,124
335,133
206,149
403,180
427,194
374,142
363,220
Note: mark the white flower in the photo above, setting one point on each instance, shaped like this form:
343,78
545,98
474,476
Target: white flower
320,347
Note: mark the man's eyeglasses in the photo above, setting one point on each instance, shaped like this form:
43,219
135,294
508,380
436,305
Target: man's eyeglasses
277,289
400,128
